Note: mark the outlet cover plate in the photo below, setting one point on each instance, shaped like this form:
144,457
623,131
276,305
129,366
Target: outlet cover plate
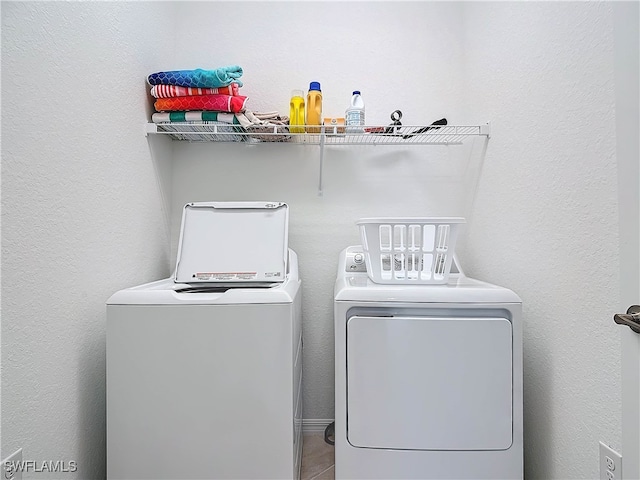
610,463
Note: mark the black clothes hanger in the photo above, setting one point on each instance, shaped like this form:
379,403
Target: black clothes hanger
442,121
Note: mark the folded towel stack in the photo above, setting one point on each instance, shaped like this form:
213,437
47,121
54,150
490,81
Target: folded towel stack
187,90
185,97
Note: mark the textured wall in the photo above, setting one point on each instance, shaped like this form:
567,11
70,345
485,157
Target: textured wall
545,221
82,216
81,213
400,55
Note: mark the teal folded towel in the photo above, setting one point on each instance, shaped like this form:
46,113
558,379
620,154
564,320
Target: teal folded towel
198,78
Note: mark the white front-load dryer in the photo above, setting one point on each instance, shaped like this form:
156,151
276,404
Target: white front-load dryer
428,378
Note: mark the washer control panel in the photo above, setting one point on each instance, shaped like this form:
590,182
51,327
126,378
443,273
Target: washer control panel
355,261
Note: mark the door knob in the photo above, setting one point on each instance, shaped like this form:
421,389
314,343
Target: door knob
631,319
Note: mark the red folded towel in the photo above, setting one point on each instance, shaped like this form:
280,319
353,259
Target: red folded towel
218,103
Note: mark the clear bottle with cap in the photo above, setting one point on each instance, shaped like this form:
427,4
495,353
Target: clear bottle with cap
314,107
296,112
354,115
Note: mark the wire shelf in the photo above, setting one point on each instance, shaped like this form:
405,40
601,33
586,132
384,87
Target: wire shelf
325,135
322,136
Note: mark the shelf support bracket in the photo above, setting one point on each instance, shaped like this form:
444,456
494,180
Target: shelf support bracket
486,129
320,192
150,128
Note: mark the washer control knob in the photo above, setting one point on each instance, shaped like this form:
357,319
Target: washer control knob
358,258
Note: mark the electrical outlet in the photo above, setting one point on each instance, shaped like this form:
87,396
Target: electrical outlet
11,466
610,463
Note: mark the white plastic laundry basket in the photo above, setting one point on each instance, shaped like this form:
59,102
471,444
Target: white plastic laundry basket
409,250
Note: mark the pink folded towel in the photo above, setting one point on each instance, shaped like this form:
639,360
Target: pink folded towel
164,91
218,103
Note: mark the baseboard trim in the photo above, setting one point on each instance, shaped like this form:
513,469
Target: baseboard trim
315,425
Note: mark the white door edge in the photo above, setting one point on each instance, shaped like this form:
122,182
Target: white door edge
626,55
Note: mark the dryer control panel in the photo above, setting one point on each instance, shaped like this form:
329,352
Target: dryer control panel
354,261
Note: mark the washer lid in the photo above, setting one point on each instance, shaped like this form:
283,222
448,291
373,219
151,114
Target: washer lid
233,242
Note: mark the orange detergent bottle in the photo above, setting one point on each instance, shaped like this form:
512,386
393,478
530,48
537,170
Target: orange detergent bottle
296,112
314,107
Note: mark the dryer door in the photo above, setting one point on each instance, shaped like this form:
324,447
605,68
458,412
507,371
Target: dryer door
425,383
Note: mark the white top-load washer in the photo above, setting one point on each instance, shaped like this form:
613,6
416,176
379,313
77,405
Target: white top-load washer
204,369
428,378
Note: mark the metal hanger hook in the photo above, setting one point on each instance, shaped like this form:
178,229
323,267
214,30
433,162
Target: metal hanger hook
396,115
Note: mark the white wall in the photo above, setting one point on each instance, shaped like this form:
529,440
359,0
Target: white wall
545,221
82,215
404,55
81,212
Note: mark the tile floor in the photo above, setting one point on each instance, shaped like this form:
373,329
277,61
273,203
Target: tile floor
317,458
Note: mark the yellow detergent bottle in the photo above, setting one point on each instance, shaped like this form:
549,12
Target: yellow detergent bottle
314,107
296,112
